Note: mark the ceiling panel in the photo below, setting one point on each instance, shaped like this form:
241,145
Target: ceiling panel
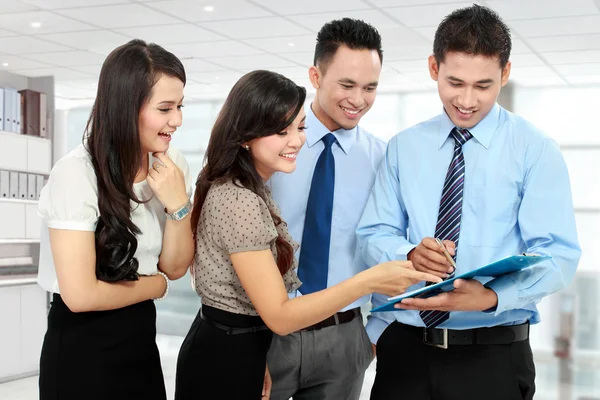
304,58
193,10
566,43
310,6
403,3
525,60
28,45
578,69
534,9
401,53
583,79
419,16
572,57
263,61
97,41
197,65
549,27
288,44
75,58
119,16
17,63
314,22
58,4
15,6
256,28
50,23
178,33
58,73
211,50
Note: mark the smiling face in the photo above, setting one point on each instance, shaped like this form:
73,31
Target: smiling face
346,89
277,153
161,115
468,85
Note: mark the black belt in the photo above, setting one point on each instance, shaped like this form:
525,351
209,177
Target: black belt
443,338
336,319
230,330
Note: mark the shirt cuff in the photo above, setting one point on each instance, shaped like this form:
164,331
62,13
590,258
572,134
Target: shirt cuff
402,252
375,328
507,292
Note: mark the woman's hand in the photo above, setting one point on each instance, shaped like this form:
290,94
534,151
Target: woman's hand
167,182
394,277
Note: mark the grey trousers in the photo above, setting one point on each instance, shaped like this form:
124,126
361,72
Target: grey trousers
326,364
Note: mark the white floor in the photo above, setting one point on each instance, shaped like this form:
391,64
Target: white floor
27,389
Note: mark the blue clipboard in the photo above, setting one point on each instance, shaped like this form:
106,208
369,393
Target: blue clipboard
495,269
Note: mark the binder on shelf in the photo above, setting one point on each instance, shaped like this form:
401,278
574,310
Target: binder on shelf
31,190
43,116
30,112
39,185
1,108
4,184
8,126
13,186
22,186
17,122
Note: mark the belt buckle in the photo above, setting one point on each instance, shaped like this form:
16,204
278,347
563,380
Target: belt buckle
444,344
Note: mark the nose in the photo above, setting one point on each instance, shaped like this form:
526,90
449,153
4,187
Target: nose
296,141
467,98
356,99
176,119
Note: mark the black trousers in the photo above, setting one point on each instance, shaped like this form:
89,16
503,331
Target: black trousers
408,369
215,365
101,355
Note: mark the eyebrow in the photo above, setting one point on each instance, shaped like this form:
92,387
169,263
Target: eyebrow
483,81
170,102
351,82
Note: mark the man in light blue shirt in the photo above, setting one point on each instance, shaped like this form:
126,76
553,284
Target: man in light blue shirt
328,360
482,174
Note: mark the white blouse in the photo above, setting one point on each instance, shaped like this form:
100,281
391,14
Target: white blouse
70,201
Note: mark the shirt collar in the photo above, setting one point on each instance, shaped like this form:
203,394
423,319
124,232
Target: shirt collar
316,130
483,131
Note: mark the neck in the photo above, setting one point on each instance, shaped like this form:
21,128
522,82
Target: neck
322,116
143,170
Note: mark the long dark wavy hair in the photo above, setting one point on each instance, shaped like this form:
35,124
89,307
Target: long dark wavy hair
261,103
112,139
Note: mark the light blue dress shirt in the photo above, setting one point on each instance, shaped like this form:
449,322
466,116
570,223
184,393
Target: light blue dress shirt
517,198
358,155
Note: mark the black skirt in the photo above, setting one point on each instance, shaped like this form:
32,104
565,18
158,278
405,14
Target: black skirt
101,355
216,364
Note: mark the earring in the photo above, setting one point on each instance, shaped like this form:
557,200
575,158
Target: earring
247,147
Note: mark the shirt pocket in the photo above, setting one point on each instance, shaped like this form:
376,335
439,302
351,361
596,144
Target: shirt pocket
347,210
489,215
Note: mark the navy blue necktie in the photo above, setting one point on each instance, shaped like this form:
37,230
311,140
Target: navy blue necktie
450,212
314,253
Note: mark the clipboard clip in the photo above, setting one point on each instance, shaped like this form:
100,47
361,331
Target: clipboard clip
531,255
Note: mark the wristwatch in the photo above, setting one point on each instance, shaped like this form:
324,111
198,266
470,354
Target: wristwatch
181,213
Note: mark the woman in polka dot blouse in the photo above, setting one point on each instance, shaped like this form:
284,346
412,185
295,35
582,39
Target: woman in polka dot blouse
244,265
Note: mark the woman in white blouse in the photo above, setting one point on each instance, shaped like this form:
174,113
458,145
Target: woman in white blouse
116,210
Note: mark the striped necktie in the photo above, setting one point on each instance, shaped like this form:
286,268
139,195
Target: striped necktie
449,215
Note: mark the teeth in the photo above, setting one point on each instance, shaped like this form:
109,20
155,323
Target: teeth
166,133
465,111
353,112
289,155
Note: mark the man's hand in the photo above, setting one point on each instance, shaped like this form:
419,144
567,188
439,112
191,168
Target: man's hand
429,257
468,295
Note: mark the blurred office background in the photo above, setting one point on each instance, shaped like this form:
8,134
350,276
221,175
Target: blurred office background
555,83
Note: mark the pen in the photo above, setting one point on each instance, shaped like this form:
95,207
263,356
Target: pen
448,256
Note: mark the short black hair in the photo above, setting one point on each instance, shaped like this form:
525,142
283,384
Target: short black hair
353,33
475,30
